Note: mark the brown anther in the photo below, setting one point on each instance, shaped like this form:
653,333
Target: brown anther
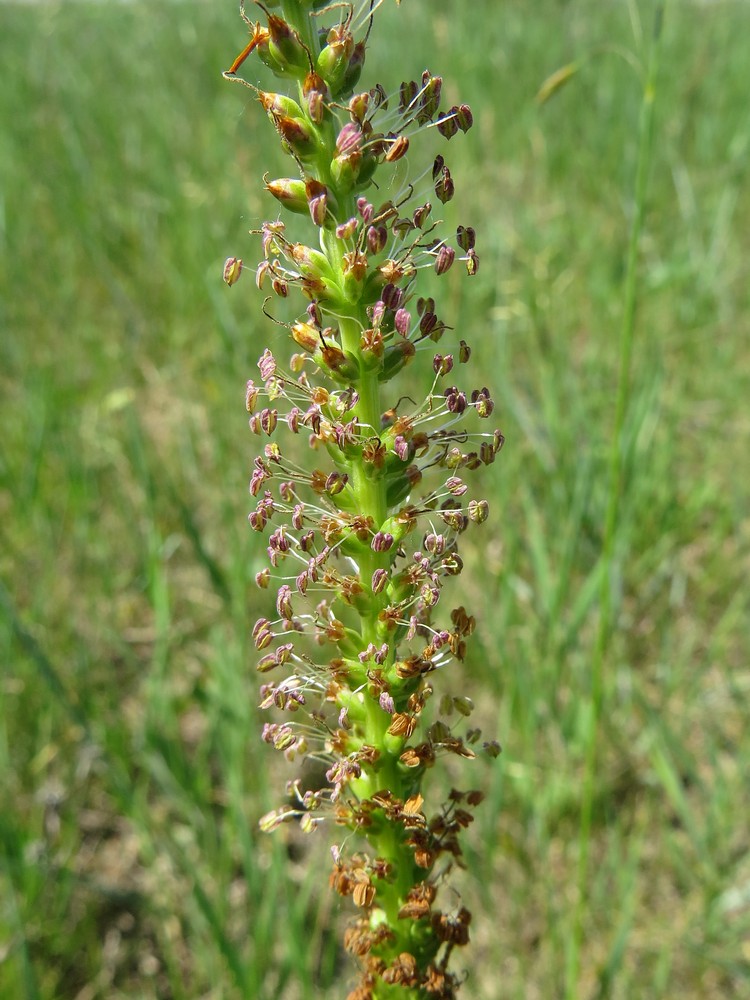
452,929
402,725
372,342
374,453
364,890
413,805
403,971
355,263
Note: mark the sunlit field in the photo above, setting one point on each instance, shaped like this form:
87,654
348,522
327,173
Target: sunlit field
132,774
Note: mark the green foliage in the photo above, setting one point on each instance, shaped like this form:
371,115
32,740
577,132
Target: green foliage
132,780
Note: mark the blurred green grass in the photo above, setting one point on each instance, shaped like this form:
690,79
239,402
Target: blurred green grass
132,773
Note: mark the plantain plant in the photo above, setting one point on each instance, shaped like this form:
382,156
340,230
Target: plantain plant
363,534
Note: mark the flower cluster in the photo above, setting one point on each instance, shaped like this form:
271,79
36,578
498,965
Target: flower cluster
362,535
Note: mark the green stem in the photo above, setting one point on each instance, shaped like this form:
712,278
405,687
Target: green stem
616,469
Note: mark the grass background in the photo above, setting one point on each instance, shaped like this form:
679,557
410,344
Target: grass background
131,772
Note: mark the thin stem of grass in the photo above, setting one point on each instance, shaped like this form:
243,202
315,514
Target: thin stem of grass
616,469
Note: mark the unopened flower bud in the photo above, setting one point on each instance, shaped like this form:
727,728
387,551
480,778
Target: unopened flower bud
279,104
354,68
312,263
299,136
306,336
333,60
290,192
396,357
345,170
379,580
285,46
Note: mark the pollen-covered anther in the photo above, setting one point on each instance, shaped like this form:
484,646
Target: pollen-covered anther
398,148
232,270
444,186
479,511
317,200
268,420
472,263
482,401
335,483
386,702
419,756
346,230
457,487
284,602
377,237
358,106
251,396
464,116
382,541
466,237
365,209
444,259
429,97
349,139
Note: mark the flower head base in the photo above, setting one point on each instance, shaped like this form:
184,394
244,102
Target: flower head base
362,537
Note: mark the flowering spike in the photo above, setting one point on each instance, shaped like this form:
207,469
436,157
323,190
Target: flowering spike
363,534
